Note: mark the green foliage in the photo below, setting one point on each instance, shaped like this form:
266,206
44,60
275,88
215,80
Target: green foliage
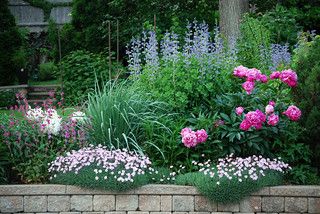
47,71
86,178
4,162
80,70
303,175
254,44
7,98
228,191
10,42
30,150
305,12
307,94
189,83
90,20
266,141
282,25
119,114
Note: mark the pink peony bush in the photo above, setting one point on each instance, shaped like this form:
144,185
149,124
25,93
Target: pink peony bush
193,138
257,118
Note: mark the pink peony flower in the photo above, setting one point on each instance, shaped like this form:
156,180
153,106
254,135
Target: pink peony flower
273,103
261,115
269,109
263,78
275,75
253,74
289,77
248,86
239,110
201,135
240,71
255,119
273,119
190,139
293,113
185,131
245,125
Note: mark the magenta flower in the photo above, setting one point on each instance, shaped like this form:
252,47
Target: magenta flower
190,139
269,109
263,78
239,110
253,74
201,135
293,113
273,103
245,125
273,119
185,131
275,75
289,77
248,86
253,118
240,71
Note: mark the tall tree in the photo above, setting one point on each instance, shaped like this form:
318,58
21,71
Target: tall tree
231,12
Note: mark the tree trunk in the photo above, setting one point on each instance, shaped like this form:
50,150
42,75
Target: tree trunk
231,12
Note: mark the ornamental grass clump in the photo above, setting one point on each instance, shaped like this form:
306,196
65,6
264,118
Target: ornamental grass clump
234,178
97,167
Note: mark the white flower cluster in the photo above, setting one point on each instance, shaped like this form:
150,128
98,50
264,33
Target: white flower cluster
121,165
35,114
241,168
51,122
78,116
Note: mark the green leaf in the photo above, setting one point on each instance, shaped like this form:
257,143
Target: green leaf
225,117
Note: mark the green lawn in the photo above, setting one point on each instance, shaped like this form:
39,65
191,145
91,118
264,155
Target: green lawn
48,82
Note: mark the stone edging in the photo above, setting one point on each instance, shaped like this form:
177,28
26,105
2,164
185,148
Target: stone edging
152,199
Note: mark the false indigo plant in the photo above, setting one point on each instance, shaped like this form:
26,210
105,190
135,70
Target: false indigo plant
185,71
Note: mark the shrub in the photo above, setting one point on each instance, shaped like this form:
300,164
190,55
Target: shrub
306,62
254,44
7,98
118,113
80,70
282,24
47,71
10,42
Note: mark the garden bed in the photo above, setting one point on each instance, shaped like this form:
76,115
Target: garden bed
153,199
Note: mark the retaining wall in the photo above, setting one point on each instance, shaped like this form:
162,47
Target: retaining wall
152,199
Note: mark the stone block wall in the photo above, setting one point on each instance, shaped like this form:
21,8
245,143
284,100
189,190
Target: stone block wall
152,199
